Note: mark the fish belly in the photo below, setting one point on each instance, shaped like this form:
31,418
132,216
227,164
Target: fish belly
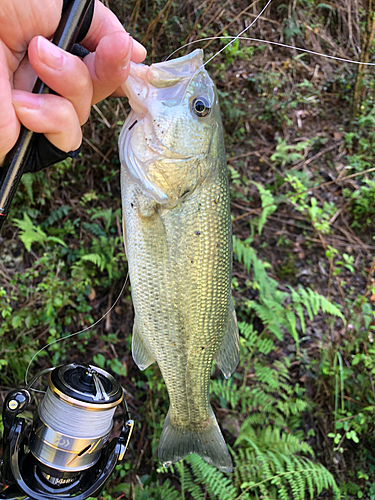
180,272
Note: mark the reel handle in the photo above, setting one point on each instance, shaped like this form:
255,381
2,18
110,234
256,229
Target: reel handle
16,160
15,403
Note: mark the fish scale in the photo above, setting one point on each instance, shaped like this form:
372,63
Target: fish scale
177,234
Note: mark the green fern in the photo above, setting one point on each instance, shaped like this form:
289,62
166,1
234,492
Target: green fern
94,229
268,205
27,181
227,392
217,484
199,479
96,259
155,492
188,482
56,215
31,233
267,395
269,466
103,254
280,311
108,215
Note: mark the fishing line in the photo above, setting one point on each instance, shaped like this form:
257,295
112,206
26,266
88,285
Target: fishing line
219,37
239,37
72,420
76,333
217,53
307,51
239,34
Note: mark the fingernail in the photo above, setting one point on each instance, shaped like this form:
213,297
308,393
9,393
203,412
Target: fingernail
49,54
139,48
26,99
124,63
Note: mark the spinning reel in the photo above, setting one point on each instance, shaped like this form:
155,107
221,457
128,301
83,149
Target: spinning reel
66,453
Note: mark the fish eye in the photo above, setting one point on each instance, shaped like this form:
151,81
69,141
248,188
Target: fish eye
201,106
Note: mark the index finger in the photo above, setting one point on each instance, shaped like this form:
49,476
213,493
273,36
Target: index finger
9,124
105,22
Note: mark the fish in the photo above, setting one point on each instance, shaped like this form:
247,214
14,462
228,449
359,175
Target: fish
178,242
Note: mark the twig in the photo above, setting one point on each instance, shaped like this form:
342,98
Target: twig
198,21
95,149
303,163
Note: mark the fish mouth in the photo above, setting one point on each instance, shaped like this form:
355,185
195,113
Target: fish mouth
147,145
151,82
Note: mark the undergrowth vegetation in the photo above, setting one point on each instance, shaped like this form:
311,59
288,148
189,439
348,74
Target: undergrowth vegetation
298,413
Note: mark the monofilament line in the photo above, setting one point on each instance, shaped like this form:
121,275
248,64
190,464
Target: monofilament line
239,34
227,45
76,333
219,37
307,51
260,40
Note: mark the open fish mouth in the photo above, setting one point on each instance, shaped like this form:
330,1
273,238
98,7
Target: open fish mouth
159,81
164,143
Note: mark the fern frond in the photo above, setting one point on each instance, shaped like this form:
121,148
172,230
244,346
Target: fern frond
269,464
56,215
216,483
95,259
226,391
94,229
270,307
270,314
268,205
329,308
153,492
188,482
265,346
27,181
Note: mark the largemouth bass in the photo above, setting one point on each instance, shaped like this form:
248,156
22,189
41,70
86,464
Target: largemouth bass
178,242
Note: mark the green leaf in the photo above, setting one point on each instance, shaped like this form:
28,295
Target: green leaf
117,367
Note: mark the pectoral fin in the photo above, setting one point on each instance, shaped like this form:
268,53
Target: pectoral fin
228,355
141,355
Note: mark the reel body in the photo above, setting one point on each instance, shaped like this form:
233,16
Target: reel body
67,452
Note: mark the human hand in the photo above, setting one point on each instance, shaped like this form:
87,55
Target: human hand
26,52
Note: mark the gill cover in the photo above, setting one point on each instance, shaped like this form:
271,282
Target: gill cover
165,143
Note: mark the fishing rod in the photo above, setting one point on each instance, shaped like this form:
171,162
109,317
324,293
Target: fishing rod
77,15
66,453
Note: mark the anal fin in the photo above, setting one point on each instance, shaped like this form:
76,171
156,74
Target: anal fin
141,355
228,355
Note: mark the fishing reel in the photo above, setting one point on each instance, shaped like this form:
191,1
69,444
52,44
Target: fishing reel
66,453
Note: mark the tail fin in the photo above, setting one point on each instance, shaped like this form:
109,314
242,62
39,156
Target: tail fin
176,443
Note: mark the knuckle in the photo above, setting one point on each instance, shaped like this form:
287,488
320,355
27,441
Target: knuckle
66,115
82,85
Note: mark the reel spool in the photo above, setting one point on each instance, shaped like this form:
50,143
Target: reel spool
66,453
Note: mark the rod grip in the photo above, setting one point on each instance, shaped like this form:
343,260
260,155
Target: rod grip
16,160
